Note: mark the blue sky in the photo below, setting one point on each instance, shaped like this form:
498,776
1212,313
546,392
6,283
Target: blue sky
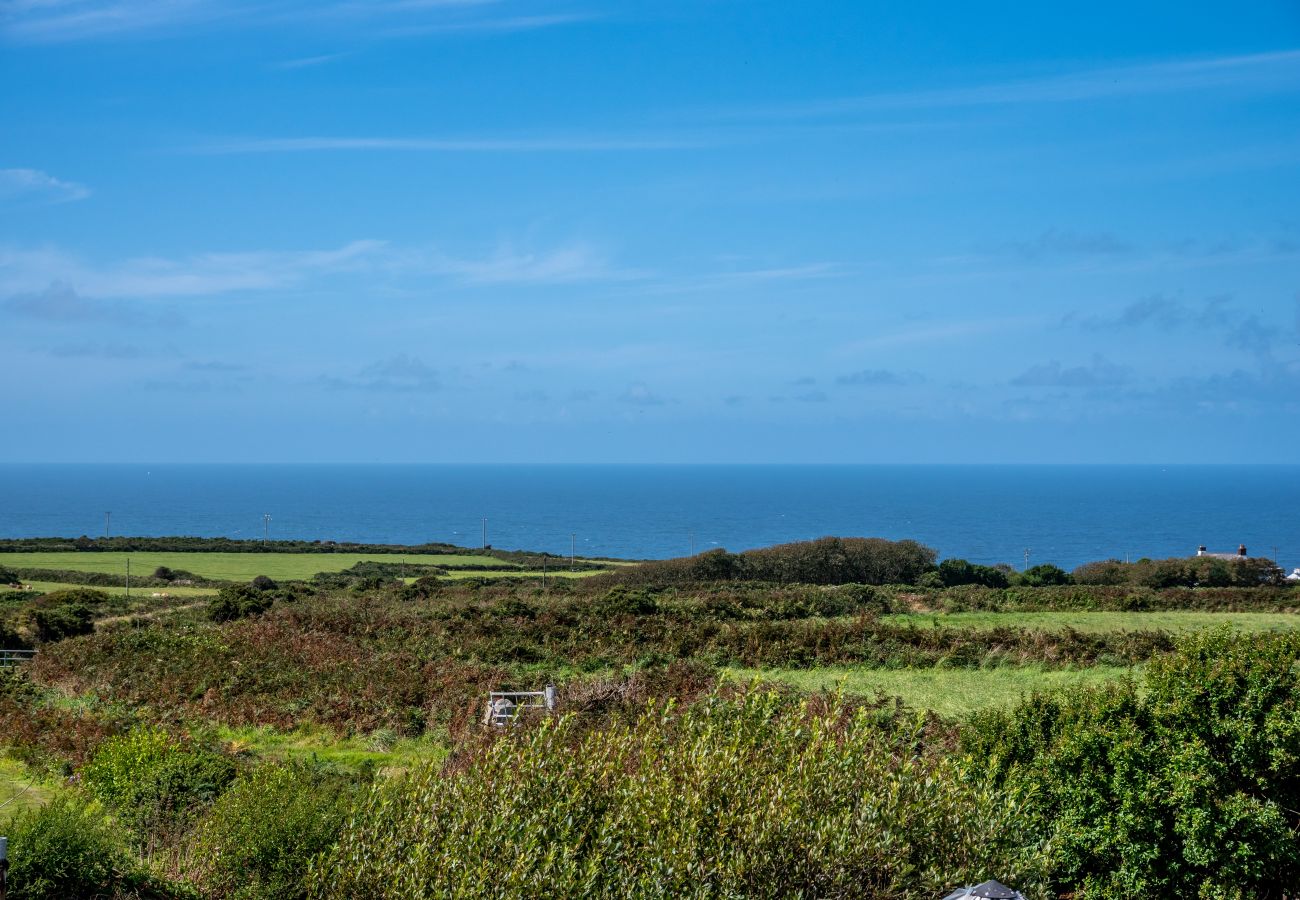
721,231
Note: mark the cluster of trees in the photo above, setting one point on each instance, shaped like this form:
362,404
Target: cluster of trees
828,560
1195,571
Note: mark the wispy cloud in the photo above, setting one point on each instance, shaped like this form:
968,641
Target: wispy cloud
639,394
1097,373
591,143
401,374
60,303
306,62
33,184
202,274
59,21
1274,71
26,271
871,378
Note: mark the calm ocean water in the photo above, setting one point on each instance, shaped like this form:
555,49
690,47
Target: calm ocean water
1062,514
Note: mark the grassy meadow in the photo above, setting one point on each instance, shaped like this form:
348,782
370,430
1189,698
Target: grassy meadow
232,566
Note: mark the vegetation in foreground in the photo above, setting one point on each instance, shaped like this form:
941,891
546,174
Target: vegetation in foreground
218,746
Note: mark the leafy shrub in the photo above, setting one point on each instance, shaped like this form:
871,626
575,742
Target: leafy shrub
954,572
258,838
9,576
759,797
263,583
154,782
1189,788
66,620
236,601
65,850
1045,574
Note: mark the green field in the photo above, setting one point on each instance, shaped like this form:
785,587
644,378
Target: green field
1097,622
136,592
230,566
949,692
308,743
18,789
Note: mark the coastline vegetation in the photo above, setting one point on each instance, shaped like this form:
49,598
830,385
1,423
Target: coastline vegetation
837,718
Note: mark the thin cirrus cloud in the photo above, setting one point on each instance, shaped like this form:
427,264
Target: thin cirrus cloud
33,184
26,272
592,143
62,21
1267,72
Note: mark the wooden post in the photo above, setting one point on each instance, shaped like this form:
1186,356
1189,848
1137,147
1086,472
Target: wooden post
4,868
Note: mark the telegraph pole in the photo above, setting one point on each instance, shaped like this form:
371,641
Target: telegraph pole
108,518
1026,558
485,532
573,543
692,543
266,526
128,579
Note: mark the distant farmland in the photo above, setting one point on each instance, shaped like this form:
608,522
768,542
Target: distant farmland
245,566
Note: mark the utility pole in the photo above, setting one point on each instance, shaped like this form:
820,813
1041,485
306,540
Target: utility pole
266,526
485,532
4,868
573,544
128,579
692,543
545,556
108,518
1026,558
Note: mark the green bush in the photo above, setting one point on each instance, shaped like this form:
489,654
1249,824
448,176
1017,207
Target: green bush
259,837
9,576
759,797
155,783
54,623
236,601
65,850
1189,787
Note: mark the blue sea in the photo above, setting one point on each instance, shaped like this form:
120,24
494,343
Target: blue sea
1061,514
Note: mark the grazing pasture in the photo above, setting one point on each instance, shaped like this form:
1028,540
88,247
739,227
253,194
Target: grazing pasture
234,566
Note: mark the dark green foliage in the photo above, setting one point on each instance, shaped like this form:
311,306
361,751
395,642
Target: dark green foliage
828,560
1206,571
154,782
65,850
1045,574
263,583
954,572
1189,788
759,797
9,576
236,601
259,837
65,614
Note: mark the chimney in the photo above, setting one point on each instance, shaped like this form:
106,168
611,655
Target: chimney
1241,551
